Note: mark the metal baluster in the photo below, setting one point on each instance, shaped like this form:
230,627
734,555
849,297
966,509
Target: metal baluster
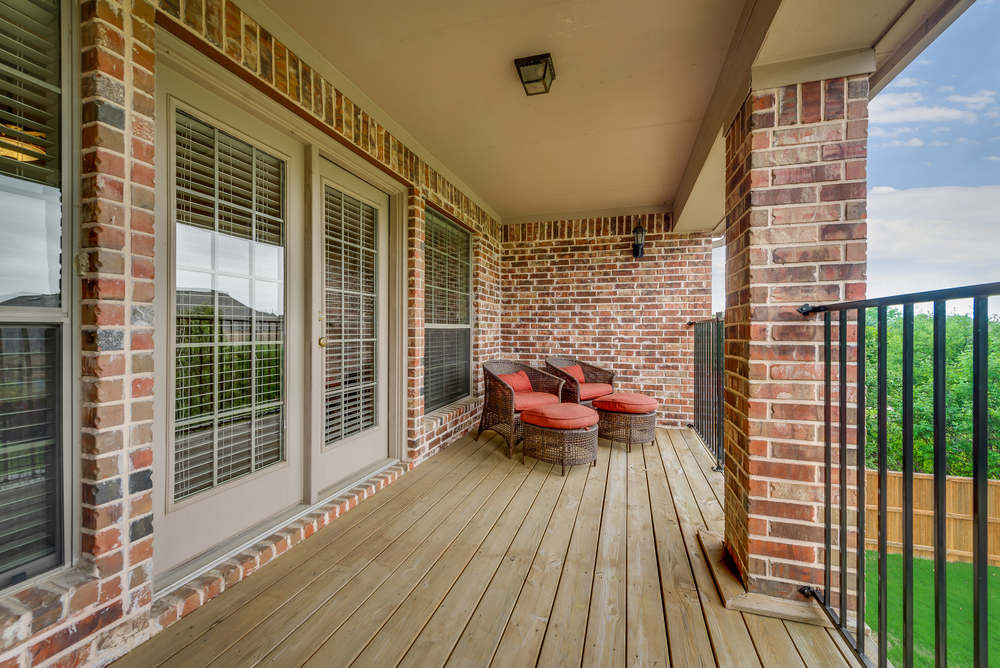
720,372
860,452
908,485
980,474
940,490
828,418
883,465
843,427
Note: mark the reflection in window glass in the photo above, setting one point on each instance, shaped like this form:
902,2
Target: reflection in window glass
229,299
31,230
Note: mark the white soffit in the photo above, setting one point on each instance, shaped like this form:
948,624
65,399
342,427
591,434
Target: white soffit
706,205
807,28
633,81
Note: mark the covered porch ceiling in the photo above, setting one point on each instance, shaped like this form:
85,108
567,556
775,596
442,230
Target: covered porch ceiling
643,90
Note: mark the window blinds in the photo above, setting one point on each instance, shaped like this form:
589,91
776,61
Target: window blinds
447,312
351,356
29,448
30,90
229,336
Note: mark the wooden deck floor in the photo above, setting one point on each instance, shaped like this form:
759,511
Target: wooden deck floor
473,559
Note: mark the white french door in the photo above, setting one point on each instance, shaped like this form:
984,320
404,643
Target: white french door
230,453
350,367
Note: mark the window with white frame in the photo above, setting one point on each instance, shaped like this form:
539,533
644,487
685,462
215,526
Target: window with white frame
229,300
34,314
447,312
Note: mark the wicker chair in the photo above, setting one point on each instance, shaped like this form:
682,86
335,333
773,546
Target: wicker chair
498,407
571,386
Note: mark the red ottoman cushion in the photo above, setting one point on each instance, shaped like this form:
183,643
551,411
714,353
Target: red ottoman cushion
525,400
590,391
627,402
561,416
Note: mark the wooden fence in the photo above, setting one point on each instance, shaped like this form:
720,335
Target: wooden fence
959,516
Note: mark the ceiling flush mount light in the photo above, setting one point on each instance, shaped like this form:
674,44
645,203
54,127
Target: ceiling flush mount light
639,236
537,73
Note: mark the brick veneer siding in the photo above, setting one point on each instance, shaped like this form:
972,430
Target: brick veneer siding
102,605
572,287
796,200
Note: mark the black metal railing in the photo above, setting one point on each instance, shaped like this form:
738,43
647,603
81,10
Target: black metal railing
851,318
709,367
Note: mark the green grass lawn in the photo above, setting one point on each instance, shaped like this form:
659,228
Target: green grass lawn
959,611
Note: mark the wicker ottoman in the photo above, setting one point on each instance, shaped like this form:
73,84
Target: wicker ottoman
627,418
560,434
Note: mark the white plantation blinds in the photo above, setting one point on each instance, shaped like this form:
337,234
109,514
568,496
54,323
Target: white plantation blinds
30,138
230,330
447,312
351,286
30,90
29,450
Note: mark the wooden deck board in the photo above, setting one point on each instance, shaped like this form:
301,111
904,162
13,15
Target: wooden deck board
475,559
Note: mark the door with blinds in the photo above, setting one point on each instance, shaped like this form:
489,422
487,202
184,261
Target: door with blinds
234,445
352,346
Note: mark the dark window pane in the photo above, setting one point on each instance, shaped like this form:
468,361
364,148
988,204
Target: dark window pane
29,449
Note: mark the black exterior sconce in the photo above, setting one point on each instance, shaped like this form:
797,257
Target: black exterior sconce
536,72
639,236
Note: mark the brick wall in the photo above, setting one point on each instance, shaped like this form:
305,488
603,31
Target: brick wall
572,287
101,605
796,199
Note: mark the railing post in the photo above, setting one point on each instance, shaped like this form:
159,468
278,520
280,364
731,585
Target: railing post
720,373
980,482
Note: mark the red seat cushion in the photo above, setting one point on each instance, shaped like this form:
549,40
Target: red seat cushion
561,416
525,400
627,402
590,391
519,382
576,372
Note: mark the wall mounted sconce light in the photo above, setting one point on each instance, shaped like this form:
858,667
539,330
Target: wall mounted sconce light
537,73
638,236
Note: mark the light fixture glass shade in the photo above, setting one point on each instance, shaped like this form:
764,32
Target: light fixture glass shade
536,72
639,233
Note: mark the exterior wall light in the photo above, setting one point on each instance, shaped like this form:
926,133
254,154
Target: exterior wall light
639,235
537,73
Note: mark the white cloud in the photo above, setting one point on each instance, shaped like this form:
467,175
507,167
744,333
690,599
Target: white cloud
924,62
931,238
977,101
946,89
939,143
994,139
907,82
992,157
883,189
927,163
882,132
906,108
941,130
909,142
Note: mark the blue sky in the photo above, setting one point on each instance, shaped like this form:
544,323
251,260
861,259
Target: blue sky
934,166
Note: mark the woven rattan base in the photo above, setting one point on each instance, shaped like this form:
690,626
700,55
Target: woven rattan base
627,428
560,446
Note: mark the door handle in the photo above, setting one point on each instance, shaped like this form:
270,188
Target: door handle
322,342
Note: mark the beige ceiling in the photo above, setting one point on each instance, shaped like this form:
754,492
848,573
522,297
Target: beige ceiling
634,79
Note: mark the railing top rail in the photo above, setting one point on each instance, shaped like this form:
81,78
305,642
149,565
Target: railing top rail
967,292
698,322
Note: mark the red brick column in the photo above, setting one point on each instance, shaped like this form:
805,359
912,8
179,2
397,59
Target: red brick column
415,237
796,200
